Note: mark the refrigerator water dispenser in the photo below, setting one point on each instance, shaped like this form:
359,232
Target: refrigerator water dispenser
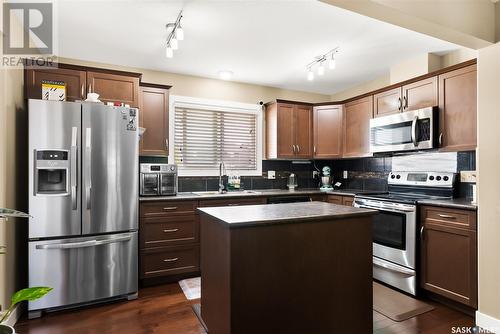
51,172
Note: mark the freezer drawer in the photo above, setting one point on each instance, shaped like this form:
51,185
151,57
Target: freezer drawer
82,270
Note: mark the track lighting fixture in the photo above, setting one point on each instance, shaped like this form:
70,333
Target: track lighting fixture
175,35
319,63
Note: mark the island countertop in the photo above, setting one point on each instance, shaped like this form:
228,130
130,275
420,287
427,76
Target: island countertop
253,215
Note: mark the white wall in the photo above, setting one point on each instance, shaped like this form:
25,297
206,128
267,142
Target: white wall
489,181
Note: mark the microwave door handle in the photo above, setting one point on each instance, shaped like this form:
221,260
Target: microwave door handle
414,131
73,166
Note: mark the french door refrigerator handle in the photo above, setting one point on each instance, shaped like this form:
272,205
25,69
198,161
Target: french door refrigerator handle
88,166
74,166
68,245
113,240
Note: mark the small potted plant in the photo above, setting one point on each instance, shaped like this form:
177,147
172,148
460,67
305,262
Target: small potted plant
28,294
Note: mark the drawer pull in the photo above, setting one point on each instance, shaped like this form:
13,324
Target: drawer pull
171,260
447,216
171,230
170,208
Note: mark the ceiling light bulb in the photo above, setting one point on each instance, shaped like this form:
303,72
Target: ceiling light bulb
179,33
174,43
310,75
170,52
321,69
331,63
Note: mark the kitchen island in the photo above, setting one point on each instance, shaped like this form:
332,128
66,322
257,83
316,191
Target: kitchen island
286,268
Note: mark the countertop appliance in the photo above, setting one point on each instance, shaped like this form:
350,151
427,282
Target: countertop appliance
395,228
326,179
83,199
407,131
158,180
292,182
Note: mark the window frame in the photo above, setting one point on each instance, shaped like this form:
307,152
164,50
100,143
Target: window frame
221,106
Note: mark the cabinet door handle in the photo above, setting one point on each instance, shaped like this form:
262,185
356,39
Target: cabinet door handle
446,216
314,149
405,102
298,148
166,144
400,104
83,92
170,230
171,260
440,139
293,149
170,208
422,233
90,88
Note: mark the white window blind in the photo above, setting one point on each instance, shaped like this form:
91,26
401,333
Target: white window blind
203,138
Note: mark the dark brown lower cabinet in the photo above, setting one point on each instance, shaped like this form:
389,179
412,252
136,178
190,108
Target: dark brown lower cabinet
169,239
340,200
449,253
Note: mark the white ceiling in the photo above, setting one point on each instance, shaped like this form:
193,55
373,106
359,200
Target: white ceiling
266,42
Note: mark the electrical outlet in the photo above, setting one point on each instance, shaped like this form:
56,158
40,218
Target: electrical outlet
315,174
344,174
271,174
468,176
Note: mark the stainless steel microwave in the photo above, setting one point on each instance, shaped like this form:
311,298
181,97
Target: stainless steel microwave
158,180
407,131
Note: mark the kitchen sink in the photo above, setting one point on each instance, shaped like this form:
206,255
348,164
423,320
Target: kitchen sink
212,193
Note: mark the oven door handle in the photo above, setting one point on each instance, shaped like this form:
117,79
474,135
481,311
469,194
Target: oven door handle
383,208
414,131
393,267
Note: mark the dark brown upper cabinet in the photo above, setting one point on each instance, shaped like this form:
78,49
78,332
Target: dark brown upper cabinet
458,109
420,94
288,131
114,88
449,253
75,82
111,85
416,95
153,115
327,132
387,103
357,115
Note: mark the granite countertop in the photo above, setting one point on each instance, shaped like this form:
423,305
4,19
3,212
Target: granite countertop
249,193
256,215
455,203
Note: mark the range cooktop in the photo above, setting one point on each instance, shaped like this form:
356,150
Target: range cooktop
410,187
401,197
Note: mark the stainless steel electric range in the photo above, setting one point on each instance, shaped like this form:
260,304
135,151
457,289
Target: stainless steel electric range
395,235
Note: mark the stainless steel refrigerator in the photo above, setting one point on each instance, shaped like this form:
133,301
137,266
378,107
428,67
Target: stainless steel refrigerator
83,199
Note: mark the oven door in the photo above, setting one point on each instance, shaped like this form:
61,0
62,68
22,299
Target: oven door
168,184
412,130
149,184
394,231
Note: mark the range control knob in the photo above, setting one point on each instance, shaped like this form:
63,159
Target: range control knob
438,178
431,177
393,176
172,168
446,178
398,176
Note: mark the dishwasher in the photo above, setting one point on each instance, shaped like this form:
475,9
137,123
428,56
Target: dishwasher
288,199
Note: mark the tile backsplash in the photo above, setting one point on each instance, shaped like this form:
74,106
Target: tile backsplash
368,173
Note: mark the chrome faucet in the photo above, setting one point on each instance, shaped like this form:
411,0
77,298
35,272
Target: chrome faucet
222,171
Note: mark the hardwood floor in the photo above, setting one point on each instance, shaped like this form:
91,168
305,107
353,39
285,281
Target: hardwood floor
164,309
